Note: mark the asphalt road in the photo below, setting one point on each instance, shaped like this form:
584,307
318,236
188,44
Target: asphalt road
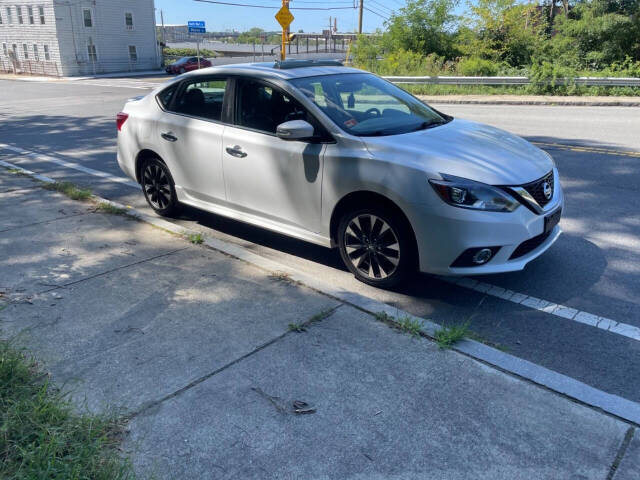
594,267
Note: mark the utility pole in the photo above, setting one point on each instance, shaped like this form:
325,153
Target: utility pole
360,17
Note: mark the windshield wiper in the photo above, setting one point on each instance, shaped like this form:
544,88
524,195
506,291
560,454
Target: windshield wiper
427,125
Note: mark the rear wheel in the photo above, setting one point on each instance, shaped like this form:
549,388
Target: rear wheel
158,187
376,246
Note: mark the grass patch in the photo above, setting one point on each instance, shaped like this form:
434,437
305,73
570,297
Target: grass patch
40,435
559,91
283,276
196,238
409,325
447,336
69,189
105,207
297,327
15,171
406,324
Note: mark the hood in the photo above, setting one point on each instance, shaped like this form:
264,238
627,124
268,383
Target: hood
465,149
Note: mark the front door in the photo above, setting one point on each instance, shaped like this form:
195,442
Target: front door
276,180
190,133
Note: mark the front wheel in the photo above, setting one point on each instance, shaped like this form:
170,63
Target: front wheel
158,187
376,246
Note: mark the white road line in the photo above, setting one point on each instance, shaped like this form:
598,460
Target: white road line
64,163
607,402
525,300
603,323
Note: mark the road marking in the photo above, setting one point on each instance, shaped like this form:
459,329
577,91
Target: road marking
64,163
557,382
534,303
603,323
579,148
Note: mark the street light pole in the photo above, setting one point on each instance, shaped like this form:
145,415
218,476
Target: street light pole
360,17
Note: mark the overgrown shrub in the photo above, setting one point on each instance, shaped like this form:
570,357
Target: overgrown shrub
477,67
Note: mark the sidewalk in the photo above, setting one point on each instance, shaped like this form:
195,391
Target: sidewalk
198,350
35,78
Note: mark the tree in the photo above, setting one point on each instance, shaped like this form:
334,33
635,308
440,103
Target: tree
423,26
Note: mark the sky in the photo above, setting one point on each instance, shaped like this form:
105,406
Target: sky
226,17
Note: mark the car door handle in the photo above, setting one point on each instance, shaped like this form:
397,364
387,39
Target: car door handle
169,137
236,151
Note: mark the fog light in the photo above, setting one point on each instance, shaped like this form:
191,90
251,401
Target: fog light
482,256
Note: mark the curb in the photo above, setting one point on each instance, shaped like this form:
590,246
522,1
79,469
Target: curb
622,408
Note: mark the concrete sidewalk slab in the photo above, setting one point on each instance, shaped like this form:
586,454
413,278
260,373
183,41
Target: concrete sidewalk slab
388,406
158,325
37,257
26,204
629,468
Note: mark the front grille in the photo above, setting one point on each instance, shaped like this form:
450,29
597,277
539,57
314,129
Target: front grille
536,189
529,245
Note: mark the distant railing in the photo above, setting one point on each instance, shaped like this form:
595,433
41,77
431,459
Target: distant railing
585,81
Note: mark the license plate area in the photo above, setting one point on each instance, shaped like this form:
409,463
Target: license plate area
550,221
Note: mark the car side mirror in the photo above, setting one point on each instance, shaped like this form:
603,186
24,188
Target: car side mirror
295,130
351,101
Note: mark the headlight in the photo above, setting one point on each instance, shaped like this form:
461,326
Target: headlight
464,193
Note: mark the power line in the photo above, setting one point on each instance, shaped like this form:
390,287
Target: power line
233,4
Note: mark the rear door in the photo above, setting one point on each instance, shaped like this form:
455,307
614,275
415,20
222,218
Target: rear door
189,133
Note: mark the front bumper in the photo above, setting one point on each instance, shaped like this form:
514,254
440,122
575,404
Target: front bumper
444,232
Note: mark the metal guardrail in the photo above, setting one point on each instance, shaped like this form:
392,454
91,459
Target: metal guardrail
585,81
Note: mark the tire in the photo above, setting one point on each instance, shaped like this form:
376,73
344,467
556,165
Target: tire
377,245
158,187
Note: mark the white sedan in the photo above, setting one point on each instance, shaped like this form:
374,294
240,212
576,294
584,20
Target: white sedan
341,158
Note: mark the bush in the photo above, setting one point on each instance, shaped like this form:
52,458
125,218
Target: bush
189,52
477,67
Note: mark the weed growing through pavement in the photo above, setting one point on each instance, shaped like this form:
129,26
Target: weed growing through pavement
284,276
447,336
106,207
196,238
405,324
297,327
69,189
42,436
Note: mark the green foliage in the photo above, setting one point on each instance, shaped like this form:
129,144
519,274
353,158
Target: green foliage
189,52
505,37
69,189
40,435
424,26
477,67
447,336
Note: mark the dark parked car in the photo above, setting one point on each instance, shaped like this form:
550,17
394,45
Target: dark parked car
186,64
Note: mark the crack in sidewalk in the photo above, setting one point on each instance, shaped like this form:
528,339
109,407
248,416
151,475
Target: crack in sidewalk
149,405
621,452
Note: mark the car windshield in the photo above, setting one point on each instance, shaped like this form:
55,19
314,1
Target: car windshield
365,105
183,60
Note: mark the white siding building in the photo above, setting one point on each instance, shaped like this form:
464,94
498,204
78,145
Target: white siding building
77,37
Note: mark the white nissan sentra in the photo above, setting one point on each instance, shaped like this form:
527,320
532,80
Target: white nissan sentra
342,158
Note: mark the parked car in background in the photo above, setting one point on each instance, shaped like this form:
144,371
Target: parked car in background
342,158
187,64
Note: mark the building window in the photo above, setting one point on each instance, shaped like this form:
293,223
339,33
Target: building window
14,47
30,13
133,54
128,20
47,57
41,13
93,54
0,18
36,54
25,50
88,22
19,12
5,50
9,16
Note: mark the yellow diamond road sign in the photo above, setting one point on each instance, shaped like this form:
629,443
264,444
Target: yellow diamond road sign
284,17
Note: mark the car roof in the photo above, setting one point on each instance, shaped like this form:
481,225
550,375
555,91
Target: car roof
270,70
